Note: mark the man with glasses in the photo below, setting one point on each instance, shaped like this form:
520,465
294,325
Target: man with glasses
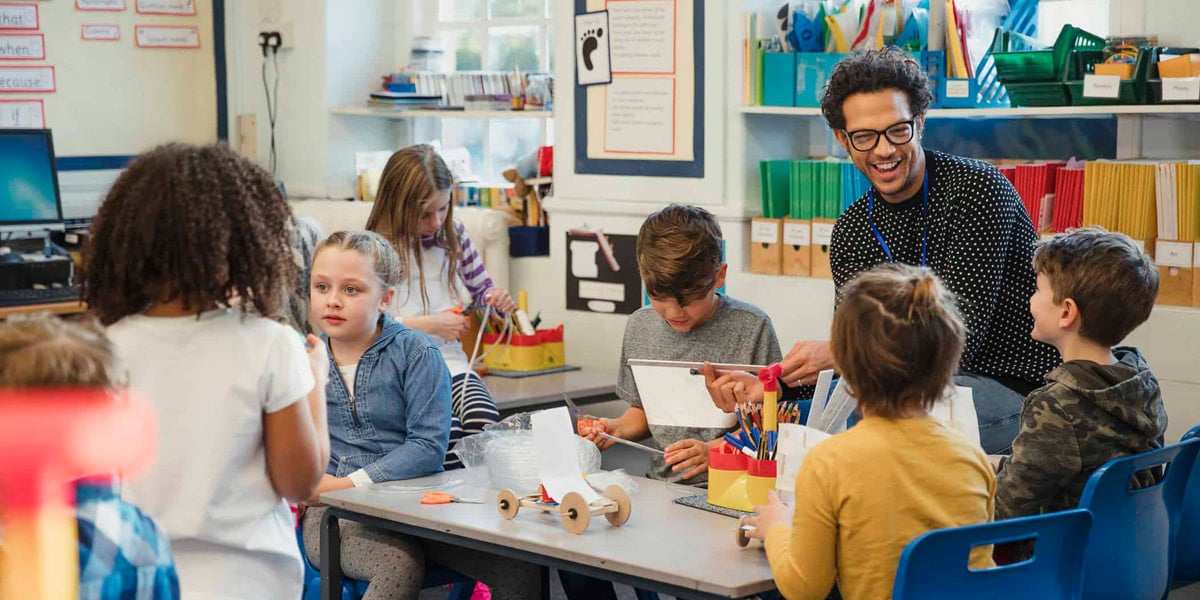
958,216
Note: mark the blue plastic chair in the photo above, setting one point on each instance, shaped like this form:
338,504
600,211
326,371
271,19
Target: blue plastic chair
1132,549
1187,557
935,564
353,589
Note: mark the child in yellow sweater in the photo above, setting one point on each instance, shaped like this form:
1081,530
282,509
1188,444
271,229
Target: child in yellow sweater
862,495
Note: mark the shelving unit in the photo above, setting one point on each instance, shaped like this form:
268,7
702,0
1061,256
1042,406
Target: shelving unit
387,113
1027,111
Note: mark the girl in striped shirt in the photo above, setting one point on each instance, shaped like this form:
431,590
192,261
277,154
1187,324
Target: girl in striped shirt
443,271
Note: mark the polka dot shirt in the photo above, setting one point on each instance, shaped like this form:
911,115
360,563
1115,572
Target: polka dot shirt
981,246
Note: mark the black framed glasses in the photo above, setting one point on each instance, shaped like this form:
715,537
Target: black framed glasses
865,140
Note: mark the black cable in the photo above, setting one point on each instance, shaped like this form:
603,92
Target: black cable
272,103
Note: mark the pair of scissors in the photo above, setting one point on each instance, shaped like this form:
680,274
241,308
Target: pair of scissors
445,498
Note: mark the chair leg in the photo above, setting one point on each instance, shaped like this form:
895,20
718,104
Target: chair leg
462,590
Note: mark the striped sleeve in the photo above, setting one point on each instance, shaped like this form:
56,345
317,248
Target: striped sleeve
470,266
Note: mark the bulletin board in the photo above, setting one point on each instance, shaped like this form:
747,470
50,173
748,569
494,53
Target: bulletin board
648,120
124,75
604,280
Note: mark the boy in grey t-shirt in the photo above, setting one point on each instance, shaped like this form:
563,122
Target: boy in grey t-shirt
679,257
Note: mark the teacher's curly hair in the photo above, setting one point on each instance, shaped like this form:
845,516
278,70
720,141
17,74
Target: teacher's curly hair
197,224
873,71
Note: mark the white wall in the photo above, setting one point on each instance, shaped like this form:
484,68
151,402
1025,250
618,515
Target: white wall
337,58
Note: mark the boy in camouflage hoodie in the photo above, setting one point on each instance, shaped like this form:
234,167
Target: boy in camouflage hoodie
1093,288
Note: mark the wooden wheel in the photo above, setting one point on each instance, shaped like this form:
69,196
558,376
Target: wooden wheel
575,513
508,504
742,540
617,494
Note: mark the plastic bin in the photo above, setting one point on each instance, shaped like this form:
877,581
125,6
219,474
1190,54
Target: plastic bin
1157,70
1020,59
812,74
528,241
779,79
1132,90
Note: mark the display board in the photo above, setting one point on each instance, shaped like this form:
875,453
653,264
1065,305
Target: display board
113,78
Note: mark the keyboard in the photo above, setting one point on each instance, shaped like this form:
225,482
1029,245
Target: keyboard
37,296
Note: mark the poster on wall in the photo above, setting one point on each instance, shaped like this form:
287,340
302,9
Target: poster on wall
602,272
22,114
592,64
649,119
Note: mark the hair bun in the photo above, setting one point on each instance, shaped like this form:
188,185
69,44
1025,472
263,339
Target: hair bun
924,295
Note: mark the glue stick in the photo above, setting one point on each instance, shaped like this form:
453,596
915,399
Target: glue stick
522,315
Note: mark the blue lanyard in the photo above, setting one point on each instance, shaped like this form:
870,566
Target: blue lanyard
924,222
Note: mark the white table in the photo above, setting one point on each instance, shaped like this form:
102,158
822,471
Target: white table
664,547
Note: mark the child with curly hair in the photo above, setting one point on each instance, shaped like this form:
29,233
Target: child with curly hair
189,266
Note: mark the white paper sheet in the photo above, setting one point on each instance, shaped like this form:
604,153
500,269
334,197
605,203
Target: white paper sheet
820,395
794,443
643,36
592,37
957,411
639,116
675,397
558,455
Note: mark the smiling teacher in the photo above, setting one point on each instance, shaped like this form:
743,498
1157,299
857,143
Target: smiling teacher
957,216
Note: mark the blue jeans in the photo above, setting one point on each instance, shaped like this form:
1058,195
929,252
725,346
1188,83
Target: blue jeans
998,409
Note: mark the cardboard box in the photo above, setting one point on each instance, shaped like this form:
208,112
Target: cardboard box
766,247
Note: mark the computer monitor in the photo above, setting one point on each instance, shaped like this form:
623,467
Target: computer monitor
29,196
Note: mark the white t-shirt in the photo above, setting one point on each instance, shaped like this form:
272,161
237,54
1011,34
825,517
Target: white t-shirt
408,302
211,380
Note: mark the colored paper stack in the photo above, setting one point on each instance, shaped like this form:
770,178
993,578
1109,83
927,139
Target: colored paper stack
1035,185
1068,198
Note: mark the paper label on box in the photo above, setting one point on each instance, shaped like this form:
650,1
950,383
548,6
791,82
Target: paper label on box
1101,86
822,234
764,232
1141,244
1180,89
958,88
797,234
1173,254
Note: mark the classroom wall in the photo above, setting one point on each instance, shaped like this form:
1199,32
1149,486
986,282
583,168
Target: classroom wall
800,308
336,59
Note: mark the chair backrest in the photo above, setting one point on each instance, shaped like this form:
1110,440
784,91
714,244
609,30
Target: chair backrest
935,564
1187,539
1132,549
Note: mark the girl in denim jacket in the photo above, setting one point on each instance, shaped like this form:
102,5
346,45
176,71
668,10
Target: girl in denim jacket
389,406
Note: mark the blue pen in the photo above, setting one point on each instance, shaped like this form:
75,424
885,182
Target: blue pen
757,437
732,441
746,442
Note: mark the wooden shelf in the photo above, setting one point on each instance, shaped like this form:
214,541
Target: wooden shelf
1025,111
389,113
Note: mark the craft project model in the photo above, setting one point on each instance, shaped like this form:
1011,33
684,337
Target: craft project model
575,512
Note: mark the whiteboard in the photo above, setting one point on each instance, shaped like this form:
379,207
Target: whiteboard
114,98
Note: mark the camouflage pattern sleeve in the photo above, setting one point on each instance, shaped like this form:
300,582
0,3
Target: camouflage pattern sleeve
1045,458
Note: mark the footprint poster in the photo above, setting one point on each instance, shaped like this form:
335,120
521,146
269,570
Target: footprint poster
592,56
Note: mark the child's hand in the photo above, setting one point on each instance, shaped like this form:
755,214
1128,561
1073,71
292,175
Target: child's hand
729,389
318,359
773,513
589,428
687,456
447,325
499,299
329,483
995,460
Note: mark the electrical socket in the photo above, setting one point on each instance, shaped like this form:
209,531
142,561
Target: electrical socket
286,39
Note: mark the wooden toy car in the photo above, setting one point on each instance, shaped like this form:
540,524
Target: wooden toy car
574,511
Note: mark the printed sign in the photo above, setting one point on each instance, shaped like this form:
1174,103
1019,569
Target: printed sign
113,5
167,36
23,46
22,114
26,79
1101,86
106,33
18,16
166,7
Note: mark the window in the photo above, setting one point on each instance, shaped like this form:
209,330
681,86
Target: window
493,35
